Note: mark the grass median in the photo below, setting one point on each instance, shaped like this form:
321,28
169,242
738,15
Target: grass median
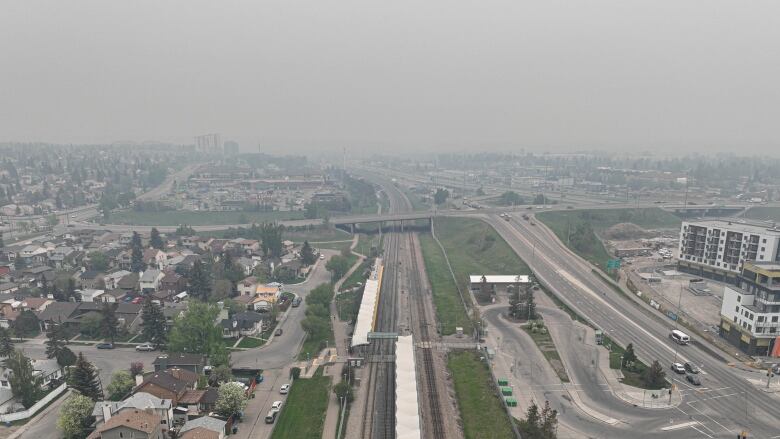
481,409
303,415
541,336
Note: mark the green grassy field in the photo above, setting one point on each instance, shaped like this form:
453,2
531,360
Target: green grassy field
764,213
303,415
449,308
316,234
176,217
359,275
348,305
578,229
480,408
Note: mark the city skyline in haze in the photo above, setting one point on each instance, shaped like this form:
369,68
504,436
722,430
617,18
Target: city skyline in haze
309,77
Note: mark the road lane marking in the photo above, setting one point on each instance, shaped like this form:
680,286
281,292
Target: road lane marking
679,426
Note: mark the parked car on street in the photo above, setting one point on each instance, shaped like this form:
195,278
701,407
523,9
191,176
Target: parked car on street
271,416
678,368
278,331
277,405
105,346
693,379
284,389
146,347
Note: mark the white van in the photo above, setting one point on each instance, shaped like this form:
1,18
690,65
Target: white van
679,337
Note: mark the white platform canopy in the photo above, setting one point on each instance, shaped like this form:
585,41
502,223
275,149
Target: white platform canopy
407,411
368,307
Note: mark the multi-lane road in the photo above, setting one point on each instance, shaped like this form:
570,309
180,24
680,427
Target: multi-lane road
729,404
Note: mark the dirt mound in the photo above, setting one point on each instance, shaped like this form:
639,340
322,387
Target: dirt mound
623,231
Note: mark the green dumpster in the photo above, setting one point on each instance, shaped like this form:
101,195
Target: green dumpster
506,390
503,382
510,401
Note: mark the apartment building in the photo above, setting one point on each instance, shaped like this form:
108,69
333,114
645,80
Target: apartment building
750,314
718,249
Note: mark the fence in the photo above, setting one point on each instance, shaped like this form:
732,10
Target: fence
24,414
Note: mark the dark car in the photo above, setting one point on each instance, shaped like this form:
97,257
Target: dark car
278,331
105,346
690,367
693,379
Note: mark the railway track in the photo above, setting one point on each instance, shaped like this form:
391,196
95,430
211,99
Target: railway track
434,426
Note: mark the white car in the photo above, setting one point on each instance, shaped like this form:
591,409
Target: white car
678,368
277,405
146,347
284,389
322,257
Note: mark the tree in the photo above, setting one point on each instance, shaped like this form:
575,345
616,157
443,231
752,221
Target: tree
136,368
510,198
530,305
55,341
271,236
25,384
549,424
121,384
338,267
441,196
26,324
153,325
137,254
66,357
629,357
75,417
485,292
231,399
52,220
307,254
654,376
541,199
538,425
199,281
109,324
514,300
184,230
155,240
219,375
98,261
6,346
84,379
343,390
195,332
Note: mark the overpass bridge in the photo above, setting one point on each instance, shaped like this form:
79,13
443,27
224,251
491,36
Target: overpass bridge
381,219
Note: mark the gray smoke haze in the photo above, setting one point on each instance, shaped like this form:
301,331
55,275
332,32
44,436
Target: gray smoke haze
298,76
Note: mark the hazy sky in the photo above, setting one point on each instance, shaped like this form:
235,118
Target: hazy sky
412,75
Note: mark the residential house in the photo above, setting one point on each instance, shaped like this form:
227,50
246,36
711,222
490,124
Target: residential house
93,295
150,280
111,280
191,362
125,239
133,423
248,286
64,257
34,254
242,323
246,246
247,264
265,297
105,410
124,260
128,283
206,423
90,279
196,402
50,372
173,282
8,288
57,312
155,258
168,384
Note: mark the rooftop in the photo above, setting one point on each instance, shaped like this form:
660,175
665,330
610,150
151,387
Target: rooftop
745,227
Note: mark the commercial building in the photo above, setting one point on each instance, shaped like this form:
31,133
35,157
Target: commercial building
718,249
209,143
750,314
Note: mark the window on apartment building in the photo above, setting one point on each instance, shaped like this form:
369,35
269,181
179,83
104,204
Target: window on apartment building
735,319
739,298
744,325
764,241
774,319
750,327
736,308
763,249
760,319
759,330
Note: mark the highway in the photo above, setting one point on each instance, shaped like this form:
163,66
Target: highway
729,406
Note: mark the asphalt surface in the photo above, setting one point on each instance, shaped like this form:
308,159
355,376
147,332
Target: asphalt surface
729,406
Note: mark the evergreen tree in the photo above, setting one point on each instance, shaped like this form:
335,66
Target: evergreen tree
84,379
514,300
629,357
549,424
530,305
55,342
26,324
137,256
25,384
307,254
155,240
6,346
153,325
654,376
109,323
199,281
195,332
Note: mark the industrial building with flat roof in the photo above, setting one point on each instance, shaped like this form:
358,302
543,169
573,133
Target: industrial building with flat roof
718,249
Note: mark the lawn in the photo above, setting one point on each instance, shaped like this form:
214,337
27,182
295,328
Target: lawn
449,308
303,414
192,218
316,234
631,377
348,305
545,344
357,276
578,229
481,410
250,342
417,202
